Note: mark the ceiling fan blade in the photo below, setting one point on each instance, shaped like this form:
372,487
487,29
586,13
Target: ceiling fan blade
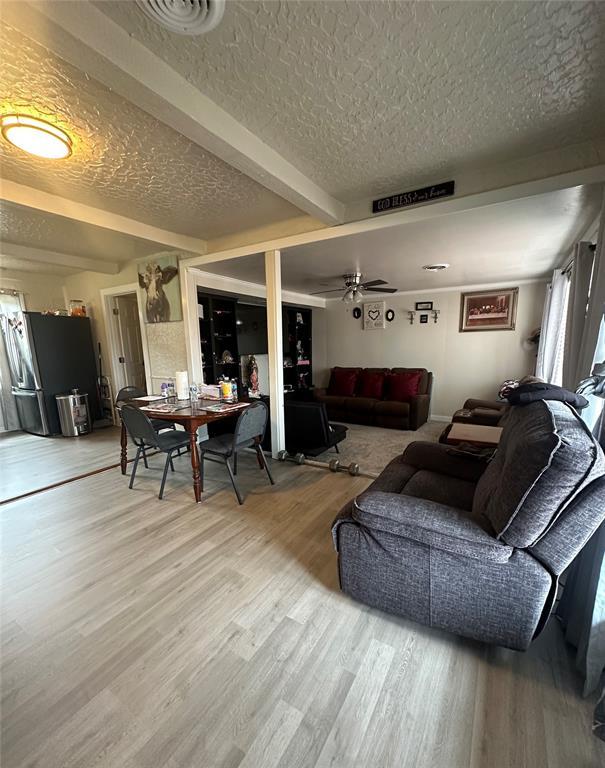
373,282
329,290
381,290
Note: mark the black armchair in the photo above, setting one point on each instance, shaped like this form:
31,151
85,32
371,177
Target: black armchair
308,430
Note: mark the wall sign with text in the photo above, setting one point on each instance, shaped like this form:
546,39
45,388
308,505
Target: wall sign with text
423,195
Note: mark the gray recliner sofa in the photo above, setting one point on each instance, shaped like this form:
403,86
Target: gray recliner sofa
448,541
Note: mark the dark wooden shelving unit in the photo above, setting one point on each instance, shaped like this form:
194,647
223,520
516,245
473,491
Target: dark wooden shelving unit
218,334
298,347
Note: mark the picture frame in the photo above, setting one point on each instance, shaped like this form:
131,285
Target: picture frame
424,318
373,316
159,289
423,306
493,310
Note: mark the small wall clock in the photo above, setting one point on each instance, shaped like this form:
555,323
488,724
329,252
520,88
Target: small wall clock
389,315
356,313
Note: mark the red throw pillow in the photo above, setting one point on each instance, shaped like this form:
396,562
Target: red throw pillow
342,382
401,387
370,384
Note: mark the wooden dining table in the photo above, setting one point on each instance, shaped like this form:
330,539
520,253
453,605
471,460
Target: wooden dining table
190,418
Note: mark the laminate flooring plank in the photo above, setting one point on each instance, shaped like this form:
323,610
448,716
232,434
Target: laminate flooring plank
348,732
139,633
273,738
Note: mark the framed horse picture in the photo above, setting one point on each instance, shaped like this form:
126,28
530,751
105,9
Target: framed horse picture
489,310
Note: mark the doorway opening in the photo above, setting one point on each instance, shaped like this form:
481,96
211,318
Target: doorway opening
127,339
125,317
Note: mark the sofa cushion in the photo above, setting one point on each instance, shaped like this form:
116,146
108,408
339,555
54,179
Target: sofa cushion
451,491
401,387
343,381
359,404
370,384
545,457
392,408
425,378
393,477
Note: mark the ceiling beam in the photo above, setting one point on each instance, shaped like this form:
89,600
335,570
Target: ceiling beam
84,36
78,263
593,175
61,206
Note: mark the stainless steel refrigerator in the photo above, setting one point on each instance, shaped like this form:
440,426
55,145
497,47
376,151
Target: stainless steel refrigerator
48,355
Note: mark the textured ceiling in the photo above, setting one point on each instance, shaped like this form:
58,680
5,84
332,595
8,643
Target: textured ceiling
47,232
124,160
364,97
505,242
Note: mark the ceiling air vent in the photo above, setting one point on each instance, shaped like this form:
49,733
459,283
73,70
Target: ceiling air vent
185,17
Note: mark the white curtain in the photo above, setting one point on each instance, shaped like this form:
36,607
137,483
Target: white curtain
582,607
549,365
584,306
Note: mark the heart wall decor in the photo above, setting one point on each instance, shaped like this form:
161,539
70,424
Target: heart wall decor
373,315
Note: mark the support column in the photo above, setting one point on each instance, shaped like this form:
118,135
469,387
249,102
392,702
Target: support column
276,354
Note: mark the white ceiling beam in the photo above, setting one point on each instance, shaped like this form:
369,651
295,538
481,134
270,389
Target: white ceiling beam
84,36
593,175
61,206
212,281
78,263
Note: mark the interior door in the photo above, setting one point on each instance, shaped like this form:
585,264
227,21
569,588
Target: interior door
132,364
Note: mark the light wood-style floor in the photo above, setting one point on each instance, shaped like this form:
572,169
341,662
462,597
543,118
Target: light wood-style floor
139,633
31,462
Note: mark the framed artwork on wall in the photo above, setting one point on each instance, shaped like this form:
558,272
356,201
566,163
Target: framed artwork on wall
373,315
423,306
488,310
160,291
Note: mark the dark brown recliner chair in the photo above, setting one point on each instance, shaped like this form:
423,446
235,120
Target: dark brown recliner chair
487,413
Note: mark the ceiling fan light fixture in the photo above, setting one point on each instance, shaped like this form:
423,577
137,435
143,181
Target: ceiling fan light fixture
358,296
348,296
36,136
435,267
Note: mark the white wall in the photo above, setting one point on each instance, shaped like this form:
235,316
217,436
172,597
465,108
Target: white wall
42,291
167,353
463,364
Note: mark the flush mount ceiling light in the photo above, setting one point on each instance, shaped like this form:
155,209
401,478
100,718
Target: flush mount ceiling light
36,136
185,17
435,267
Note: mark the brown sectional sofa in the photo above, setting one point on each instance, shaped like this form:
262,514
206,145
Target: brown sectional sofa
380,412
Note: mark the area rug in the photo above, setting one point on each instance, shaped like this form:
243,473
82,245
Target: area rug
373,447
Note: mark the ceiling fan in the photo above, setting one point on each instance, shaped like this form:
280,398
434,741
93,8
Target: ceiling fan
353,289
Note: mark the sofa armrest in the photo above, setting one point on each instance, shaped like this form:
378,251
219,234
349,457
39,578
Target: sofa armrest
427,522
444,459
473,402
419,410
